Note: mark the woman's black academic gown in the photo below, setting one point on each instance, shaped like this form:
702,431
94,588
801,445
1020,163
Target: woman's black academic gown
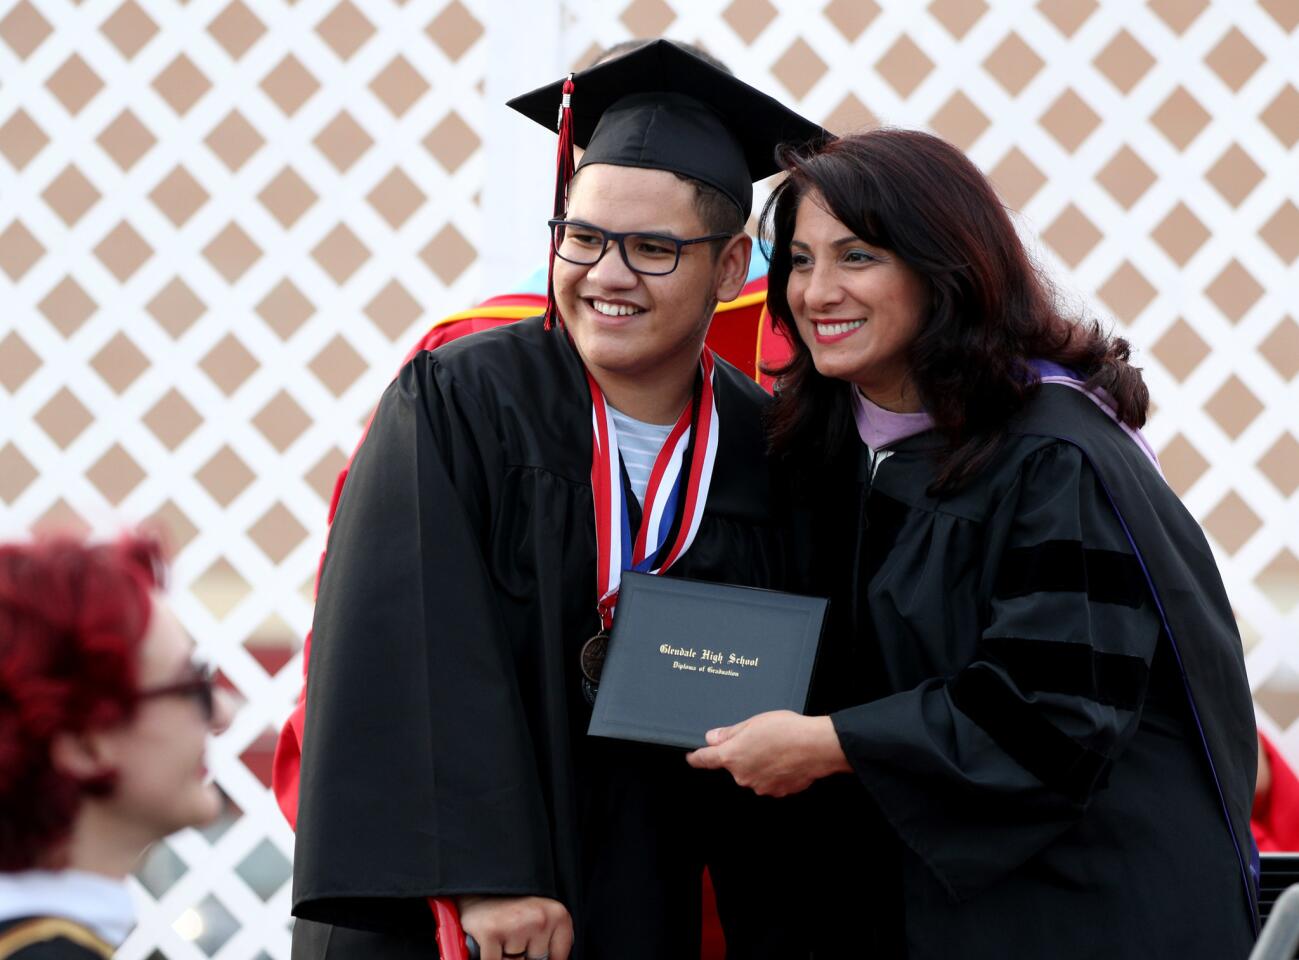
1039,685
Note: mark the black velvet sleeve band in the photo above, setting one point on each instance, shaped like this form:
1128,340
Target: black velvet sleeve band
1064,566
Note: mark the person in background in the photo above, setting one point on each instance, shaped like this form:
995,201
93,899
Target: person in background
104,718
1275,818
1036,681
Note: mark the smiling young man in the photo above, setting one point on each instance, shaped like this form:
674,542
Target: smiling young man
474,560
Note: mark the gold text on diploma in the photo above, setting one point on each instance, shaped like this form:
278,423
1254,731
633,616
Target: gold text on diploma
731,659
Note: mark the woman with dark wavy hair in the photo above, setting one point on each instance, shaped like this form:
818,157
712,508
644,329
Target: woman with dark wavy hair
103,723
1035,684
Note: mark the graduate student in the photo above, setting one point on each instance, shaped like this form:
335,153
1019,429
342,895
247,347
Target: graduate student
475,557
740,332
103,723
1037,681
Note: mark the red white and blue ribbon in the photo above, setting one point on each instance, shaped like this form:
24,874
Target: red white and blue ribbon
674,486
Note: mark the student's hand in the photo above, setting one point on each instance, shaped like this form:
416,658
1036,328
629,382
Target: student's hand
774,754
517,927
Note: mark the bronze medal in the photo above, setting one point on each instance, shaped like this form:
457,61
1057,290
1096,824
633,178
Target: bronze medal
592,658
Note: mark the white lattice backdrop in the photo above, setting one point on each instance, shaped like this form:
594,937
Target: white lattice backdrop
221,224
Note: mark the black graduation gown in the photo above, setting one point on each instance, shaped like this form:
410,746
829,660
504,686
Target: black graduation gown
67,941
445,748
1014,656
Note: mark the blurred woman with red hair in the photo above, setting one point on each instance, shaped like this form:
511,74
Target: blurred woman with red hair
103,724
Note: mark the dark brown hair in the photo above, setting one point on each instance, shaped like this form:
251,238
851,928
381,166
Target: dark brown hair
990,310
717,212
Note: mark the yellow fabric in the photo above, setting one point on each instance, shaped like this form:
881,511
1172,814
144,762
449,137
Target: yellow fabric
489,313
50,928
748,300
520,313
762,331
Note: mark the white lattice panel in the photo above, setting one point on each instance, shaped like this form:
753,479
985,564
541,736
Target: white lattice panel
222,223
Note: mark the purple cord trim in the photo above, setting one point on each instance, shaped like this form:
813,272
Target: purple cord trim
1048,371
1100,399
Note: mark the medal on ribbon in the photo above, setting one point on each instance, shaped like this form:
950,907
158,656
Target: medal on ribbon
678,489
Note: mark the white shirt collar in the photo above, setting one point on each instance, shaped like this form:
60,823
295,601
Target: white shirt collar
101,903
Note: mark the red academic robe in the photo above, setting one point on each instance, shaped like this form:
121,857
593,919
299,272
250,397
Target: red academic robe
1275,817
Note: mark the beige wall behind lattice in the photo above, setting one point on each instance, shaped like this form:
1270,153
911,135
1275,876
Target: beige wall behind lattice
223,221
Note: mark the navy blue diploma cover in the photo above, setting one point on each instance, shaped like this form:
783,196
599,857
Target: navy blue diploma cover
686,656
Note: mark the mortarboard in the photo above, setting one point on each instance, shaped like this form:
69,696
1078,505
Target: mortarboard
663,108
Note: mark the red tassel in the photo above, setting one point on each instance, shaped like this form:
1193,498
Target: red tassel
563,176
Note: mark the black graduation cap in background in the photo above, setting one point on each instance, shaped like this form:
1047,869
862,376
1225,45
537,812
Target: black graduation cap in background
664,108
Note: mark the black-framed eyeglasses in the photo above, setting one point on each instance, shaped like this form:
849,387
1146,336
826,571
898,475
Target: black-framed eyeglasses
652,254
201,687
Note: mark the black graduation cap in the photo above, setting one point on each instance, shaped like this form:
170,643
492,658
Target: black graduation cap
662,107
